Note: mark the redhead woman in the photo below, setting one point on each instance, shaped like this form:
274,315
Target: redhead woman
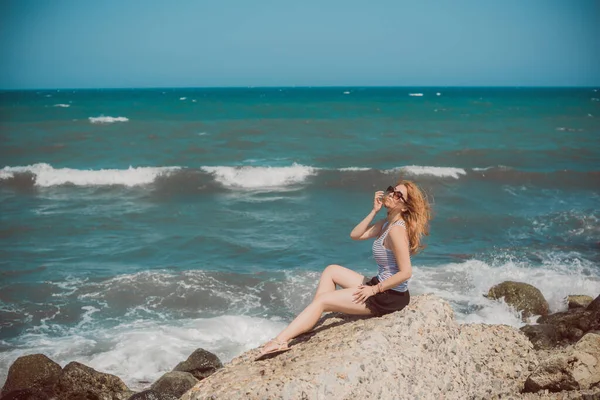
397,237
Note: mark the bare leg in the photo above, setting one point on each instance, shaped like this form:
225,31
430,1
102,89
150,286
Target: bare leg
336,274
337,300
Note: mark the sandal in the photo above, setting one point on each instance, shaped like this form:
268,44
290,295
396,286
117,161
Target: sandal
280,346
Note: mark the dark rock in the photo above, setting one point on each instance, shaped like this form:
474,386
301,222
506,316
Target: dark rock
200,363
175,383
569,327
32,372
578,301
543,336
594,305
152,395
522,296
26,394
83,395
78,381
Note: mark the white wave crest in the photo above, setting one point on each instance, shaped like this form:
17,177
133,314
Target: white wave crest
47,176
440,172
260,177
107,120
62,105
416,94
354,169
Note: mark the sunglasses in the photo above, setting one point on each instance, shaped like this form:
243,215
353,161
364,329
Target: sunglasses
392,189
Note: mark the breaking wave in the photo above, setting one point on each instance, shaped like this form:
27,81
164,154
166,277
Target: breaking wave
107,120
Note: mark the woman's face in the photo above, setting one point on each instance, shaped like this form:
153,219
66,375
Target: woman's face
394,197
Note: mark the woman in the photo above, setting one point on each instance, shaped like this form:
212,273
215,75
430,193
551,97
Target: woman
397,237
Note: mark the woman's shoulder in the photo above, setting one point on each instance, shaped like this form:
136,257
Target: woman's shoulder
400,222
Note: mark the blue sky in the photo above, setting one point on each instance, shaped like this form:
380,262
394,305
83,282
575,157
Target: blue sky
147,43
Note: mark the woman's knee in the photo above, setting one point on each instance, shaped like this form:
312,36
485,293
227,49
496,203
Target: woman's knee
331,268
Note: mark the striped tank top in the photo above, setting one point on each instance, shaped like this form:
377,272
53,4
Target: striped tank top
385,258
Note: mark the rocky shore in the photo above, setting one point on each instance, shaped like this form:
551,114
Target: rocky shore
420,352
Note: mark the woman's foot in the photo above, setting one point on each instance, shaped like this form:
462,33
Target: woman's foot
272,348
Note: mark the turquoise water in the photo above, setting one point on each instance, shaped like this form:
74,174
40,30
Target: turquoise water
138,225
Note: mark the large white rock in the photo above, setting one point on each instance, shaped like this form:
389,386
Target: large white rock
419,352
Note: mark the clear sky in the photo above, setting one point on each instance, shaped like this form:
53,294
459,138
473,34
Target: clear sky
195,43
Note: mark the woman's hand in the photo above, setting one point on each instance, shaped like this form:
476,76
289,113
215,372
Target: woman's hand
378,201
362,293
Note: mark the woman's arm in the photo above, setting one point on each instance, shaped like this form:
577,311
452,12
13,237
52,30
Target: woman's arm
363,230
399,241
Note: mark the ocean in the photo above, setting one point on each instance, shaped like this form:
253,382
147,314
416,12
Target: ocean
139,225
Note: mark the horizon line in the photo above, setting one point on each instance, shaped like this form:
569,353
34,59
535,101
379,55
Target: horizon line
308,87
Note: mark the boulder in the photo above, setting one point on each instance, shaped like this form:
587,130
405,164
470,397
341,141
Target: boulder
586,370
419,352
200,364
578,301
32,372
523,297
152,395
543,336
575,367
174,383
554,374
26,394
78,381
563,328
594,305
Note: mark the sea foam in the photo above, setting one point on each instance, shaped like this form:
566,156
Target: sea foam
46,175
260,177
440,172
62,105
141,351
463,284
107,120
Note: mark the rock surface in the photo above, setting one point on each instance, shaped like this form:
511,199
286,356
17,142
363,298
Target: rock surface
26,394
564,328
80,381
174,383
419,352
578,301
32,372
594,305
200,363
152,395
522,296
575,367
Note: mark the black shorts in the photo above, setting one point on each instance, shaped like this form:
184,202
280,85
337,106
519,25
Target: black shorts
386,302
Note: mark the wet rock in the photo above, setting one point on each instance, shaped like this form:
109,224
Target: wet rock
578,301
32,372
152,395
78,381
522,296
200,364
174,383
594,305
543,336
571,325
26,394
